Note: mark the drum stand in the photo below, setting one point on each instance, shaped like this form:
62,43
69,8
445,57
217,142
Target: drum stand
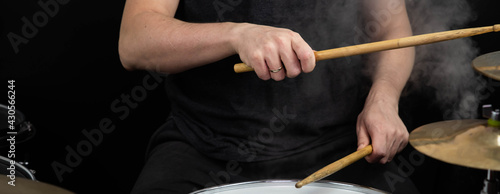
491,183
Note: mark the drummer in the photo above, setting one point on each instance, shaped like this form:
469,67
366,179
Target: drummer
290,117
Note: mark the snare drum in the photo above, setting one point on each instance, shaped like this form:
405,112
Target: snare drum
288,187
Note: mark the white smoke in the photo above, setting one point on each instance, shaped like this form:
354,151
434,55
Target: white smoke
443,70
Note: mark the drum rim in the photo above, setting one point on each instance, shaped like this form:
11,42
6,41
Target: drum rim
20,118
324,183
25,171
19,114
25,129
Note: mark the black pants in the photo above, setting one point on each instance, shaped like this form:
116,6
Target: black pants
174,166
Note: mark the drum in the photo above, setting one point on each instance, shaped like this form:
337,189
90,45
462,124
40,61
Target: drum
288,187
19,170
25,130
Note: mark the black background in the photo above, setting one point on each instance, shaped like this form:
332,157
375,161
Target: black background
68,75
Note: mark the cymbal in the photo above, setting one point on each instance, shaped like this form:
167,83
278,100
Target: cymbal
469,143
25,186
488,65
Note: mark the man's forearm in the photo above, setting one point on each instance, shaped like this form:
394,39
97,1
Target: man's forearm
391,73
153,41
391,69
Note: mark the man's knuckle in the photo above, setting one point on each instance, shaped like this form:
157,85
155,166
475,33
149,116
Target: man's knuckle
293,73
255,56
269,47
264,76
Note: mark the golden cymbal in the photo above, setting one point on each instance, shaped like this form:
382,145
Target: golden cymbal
25,186
470,143
488,65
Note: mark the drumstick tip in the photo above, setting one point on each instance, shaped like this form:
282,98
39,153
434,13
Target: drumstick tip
299,185
496,28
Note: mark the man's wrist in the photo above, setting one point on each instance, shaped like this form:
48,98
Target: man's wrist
384,93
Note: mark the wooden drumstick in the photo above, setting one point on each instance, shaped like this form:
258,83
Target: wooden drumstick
336,166
390,44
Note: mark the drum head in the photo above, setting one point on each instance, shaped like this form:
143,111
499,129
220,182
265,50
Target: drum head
288,187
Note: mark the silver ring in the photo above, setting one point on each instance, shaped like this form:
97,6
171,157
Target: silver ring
276,70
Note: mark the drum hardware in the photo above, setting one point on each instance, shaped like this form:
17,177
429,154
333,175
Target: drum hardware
26,164
489,66
491,182
19,169
493,116
25,130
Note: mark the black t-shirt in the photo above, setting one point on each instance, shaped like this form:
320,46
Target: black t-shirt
240,117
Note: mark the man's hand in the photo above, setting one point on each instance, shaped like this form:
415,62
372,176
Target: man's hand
379,122
267,48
